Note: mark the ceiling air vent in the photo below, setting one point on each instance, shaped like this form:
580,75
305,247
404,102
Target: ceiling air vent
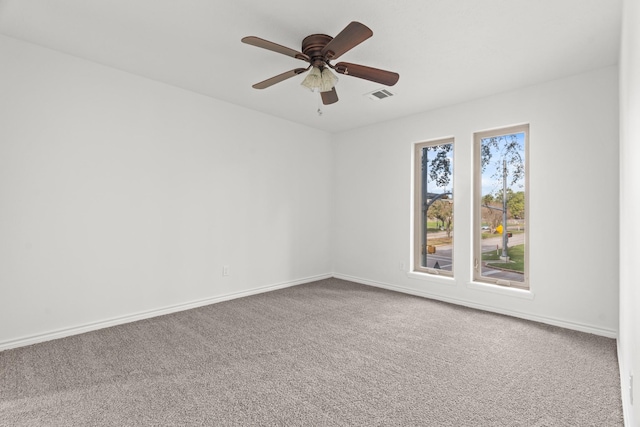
379,94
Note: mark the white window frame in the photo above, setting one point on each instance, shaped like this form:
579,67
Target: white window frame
417,208
477,214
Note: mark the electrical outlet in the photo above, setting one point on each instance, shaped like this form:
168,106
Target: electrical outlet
225,270
401,266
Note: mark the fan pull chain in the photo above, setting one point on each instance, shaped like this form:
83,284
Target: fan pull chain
319,107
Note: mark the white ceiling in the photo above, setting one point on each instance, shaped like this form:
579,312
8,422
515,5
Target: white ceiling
445,51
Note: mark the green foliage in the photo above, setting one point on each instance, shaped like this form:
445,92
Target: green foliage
515,205
442,210
440,166
515,202
505,147
488,199
496,149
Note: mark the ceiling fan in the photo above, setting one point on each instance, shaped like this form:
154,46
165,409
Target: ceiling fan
318,50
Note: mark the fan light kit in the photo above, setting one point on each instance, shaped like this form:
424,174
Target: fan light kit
318,50
320,80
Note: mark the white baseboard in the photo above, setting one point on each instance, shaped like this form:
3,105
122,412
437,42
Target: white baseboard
75,330
576,326
80,329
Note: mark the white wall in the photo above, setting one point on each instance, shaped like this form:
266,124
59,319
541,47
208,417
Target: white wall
120,195
629,338
573,200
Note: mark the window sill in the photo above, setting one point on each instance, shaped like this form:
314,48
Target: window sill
502,290
442,280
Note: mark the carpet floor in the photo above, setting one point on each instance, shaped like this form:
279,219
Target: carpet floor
328,353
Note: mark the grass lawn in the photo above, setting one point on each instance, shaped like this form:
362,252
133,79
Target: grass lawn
439,241
433,226
516,258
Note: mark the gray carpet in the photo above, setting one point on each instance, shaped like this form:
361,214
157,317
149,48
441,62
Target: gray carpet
329,353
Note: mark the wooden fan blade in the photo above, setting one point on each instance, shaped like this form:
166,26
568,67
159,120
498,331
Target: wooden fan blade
265,44
386,78
329,97
279,78
353,34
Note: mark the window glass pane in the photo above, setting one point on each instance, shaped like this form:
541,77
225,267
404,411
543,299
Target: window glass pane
502,224
435,210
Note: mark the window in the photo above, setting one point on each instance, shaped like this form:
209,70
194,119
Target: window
433,210
501,207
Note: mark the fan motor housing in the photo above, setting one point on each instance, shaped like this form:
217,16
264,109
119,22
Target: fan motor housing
312,47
